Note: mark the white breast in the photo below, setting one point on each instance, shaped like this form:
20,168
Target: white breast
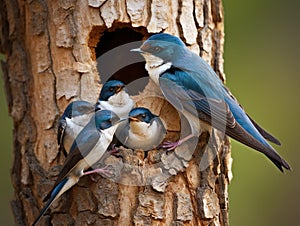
71,132
155,72
144,136
155,66
121,104
97,152
82,120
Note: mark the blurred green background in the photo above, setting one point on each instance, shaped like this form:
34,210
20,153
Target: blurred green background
6,130
261,62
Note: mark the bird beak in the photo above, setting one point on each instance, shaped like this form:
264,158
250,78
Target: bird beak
97,107
115,122
133,119
120,120
137,50
120,88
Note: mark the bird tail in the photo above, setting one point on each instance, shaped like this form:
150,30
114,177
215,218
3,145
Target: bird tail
264,133
53,197
251,134
240,134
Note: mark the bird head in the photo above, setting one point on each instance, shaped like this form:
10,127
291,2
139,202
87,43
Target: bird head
111,88
141,115
161,48
105,119
78,108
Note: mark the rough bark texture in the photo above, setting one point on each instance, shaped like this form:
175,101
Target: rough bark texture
50,49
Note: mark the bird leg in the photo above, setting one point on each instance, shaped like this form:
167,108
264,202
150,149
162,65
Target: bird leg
114,151
106,171
169,145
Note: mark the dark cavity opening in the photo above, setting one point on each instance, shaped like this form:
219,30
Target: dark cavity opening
116,61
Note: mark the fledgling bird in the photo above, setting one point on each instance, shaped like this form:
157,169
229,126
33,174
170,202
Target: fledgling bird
143,130
196,91
88,148
113,97
75,117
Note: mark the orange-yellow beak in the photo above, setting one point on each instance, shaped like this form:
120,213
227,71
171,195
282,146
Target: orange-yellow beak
133,119
119,89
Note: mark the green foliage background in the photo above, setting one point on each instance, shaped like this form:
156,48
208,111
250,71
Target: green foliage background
261,65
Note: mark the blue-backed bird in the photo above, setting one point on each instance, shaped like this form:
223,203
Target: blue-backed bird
113,96
143,130
75,117
196,91
88,148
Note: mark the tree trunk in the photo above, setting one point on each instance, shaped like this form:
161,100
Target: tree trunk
52,49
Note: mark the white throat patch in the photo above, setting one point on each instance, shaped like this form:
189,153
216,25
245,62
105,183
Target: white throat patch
121,104
155,66
143,136
142,129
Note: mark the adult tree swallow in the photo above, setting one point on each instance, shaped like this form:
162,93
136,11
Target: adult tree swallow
88,148
113,97
143,130
195,90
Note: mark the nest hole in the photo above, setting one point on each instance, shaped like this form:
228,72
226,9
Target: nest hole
114,58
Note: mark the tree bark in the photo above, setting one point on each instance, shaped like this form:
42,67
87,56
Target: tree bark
51,49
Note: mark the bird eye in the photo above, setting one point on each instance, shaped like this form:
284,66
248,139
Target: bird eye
111,89
156,49
143,116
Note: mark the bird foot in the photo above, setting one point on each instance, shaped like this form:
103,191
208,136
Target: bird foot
114,151
106,171
169,145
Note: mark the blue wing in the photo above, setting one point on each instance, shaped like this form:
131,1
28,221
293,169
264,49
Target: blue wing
83,144
213,105
212,87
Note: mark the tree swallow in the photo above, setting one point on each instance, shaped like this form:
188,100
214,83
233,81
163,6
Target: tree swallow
113,97
88,148
196,91
75,117
143,130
